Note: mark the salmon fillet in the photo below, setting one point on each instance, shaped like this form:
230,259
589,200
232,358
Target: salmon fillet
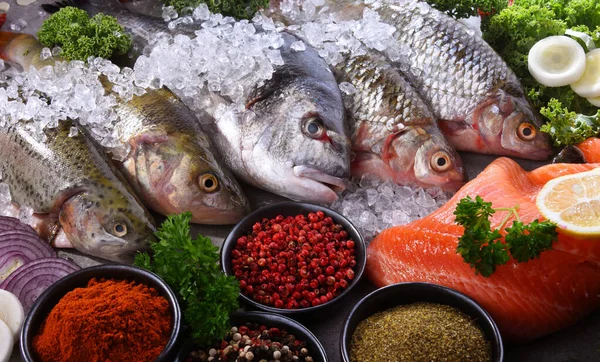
590,149
527,300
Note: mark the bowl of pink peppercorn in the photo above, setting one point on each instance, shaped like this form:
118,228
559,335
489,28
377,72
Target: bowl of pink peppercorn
294,258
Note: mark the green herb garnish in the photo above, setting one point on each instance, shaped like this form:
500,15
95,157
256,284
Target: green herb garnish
482,247
81,37
190,267
568,128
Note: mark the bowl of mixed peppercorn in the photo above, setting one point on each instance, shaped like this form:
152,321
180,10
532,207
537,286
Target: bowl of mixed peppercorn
256,337
419,322
294,258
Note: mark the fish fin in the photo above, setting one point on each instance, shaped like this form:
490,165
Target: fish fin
2,19
61,241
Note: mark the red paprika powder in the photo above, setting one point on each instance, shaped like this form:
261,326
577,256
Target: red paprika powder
109,320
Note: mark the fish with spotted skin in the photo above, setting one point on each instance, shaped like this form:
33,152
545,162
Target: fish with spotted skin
74,190
292,140
171,163
394,134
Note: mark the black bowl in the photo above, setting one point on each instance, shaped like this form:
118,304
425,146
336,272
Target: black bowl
44,304
317,352
292,209
406,293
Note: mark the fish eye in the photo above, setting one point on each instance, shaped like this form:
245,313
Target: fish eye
208,182
119,229
526,131
313,128
440,161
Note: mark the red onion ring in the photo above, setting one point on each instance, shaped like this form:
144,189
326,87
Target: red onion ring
33,278
19,247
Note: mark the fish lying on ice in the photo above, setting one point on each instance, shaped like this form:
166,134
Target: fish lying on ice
480,103
527,300
74,190
172,164
292,140
394,134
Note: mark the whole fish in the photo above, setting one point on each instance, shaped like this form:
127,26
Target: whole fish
479,101
74,189
293,140
172,164
394,135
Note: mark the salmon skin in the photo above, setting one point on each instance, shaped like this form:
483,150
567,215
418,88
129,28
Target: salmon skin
527,300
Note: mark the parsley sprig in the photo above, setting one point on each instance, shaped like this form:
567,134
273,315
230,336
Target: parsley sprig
190,267
482,247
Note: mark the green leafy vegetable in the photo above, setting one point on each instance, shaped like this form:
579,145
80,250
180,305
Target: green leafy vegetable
482,247
191,268
81,37
239,9
514,30
569,128
466,8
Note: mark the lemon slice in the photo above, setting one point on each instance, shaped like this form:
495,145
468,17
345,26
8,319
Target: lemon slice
573,203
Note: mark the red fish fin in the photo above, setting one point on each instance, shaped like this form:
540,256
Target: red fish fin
2,19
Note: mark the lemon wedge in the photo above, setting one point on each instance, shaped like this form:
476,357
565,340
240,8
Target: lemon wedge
573,203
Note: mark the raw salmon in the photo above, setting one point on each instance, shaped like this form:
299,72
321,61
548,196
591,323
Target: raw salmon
527,300
590,149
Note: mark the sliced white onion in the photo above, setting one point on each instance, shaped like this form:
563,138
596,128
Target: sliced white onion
594,101
587,40
11,312
556,61
588,86
6,342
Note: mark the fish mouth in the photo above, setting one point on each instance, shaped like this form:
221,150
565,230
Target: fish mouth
336,184
315,186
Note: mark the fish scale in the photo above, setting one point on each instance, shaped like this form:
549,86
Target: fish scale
394,135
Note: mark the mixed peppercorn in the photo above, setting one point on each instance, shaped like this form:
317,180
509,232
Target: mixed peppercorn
294,262
257,343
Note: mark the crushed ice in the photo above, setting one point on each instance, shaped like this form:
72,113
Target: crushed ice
373,205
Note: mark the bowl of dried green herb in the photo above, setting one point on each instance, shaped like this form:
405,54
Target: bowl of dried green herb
419,322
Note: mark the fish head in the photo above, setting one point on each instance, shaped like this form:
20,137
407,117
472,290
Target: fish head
110,230
298,142
426,158
176,173
510,126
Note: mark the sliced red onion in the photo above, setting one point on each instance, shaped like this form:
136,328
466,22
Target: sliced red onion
10,223
19,247
33,278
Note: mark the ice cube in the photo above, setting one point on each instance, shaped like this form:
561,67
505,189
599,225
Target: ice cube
18,26
298,46
45,54
26,215
201,12
5,197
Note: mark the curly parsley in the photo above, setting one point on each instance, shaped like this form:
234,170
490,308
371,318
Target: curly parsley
190,267
482,247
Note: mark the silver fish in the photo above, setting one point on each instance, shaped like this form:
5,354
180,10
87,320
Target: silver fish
75,190
480,103
293,140
394,134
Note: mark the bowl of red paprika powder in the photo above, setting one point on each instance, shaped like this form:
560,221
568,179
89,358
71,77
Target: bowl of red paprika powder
103,313
293,258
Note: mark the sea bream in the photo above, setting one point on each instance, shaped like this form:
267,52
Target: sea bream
171,163
292,140
394,134
479,101
74,191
